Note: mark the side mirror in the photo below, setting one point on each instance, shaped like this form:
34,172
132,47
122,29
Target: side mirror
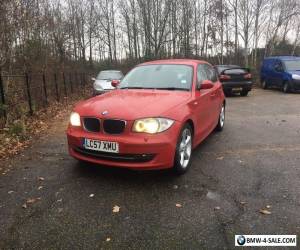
93,79
278,68
206,84
115,83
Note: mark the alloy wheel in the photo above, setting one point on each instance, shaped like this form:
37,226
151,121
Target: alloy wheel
222,117
185,147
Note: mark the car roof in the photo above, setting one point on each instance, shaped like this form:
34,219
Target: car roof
192,62
110,70
283,58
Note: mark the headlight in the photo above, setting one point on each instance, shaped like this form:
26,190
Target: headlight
152,125
75,119
296,77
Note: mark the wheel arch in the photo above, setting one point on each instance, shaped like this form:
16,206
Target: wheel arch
191,123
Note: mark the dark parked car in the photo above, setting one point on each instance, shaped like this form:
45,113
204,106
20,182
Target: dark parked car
234,79
282,72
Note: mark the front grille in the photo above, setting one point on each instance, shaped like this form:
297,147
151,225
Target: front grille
91,124
113,126
115,157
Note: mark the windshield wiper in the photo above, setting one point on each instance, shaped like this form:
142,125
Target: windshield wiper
167,88
135,88
173,88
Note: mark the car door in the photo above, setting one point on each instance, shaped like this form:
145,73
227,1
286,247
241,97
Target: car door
202,106
277,71
215,95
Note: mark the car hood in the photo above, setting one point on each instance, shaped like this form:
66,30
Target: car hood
296,72
104,84
132,104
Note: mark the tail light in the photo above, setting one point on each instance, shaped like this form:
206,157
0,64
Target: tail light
248,76
224,77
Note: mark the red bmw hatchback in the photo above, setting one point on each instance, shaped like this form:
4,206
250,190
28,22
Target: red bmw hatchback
159,112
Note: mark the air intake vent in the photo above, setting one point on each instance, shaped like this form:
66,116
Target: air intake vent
91,124
114,126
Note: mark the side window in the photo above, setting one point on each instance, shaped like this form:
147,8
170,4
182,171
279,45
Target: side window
211,73
278,66
201,75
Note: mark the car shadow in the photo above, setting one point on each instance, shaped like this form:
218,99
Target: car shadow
279,90
234,95
90,170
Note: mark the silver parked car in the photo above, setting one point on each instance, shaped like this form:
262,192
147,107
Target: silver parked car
102,83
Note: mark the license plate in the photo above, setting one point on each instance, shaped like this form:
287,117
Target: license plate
103,146
237,89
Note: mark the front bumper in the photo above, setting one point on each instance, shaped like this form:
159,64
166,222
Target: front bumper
100,92
230,86
136,150
295,85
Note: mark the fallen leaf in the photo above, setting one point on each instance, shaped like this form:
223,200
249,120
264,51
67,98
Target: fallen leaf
116,209
41,178
178,205
10,192
60,209
24,206
107,239
91,195
60,200
217,208
265,211
268,206
32,200
40,187
243,202
220,158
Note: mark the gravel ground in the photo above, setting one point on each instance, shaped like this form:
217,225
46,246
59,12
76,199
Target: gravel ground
252,164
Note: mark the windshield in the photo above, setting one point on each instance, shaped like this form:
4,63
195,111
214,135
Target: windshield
109,75
161,76
292,65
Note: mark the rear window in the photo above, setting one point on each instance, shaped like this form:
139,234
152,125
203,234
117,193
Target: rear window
235,71
221,68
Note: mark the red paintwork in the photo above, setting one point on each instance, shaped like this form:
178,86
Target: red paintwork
201,108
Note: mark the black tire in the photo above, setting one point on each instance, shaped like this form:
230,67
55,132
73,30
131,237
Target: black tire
286,87
82,163
221,120
264,84
244,92
181,166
